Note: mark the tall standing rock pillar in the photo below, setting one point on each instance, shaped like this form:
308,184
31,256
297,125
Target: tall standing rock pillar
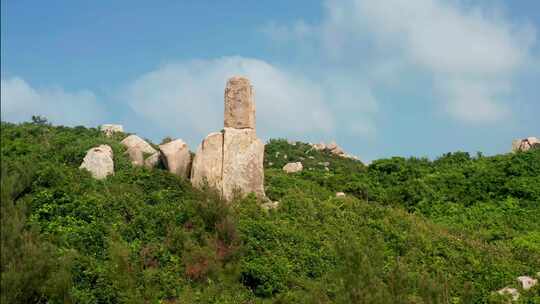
232,161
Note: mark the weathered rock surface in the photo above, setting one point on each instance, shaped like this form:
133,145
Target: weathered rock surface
270,205
153,160
136,156
110,129
232,161
137,148
243,170
99,161
319,147
524,144
176,157
239,104
134,141
510,291
207,166
293,167
333,148
527,282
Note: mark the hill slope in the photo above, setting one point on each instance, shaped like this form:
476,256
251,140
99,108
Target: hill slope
409,230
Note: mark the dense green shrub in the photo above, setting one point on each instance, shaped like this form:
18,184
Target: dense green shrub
410,230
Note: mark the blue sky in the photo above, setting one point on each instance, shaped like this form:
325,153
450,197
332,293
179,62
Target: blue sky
382,78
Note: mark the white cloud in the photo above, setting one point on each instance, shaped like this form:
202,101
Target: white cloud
20,101
467,50
474,101
187,98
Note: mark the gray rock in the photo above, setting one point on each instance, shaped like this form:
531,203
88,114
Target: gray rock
243,156
99,162
137,148
136,156
232,161
110,129
176,157
239,104
208,162
270,205
152,161
527,282
524,144
319,147
331,146
293,167
134,141
510,291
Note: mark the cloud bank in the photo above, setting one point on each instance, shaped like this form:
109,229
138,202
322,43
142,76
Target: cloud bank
20,102
187,97
469,53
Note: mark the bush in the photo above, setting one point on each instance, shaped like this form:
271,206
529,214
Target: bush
409,230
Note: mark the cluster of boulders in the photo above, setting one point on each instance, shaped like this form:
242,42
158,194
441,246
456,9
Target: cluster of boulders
230,161
333,148
525,283
525,144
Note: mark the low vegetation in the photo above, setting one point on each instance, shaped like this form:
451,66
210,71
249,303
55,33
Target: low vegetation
452,230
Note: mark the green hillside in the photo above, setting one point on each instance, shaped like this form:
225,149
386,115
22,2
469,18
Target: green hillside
409,230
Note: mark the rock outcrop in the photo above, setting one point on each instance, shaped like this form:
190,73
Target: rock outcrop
514,293
152,161
207,166
527,282
239,104
110,129
293,167
269,205
243,155
176,157
231,161
99,161
334,149
525,144
139,150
